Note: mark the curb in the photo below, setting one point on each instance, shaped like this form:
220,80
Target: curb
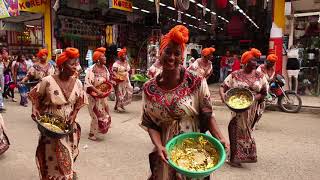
216,103
304,109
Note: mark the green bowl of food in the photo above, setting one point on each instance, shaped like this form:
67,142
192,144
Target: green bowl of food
195,155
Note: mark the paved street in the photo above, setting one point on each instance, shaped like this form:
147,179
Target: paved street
288,147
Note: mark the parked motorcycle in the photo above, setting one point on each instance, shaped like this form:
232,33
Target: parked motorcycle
288,101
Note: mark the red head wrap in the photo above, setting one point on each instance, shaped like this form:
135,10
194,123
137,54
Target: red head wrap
249,55
179,34
272,58
42,52
69,53
122,52
98,53
207,51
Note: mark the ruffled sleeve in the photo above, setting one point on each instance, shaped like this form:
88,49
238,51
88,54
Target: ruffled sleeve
37,93
31,72
82,98
147,120
206,110
228,82
89,79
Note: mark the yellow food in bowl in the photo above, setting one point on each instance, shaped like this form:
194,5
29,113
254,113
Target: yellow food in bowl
239,101
195,154
52,127
53,120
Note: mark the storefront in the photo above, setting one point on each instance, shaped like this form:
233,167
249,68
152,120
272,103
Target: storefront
307,38
87,25
25,26
304,34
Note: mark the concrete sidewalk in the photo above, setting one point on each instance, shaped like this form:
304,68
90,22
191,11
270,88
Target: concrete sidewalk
310,104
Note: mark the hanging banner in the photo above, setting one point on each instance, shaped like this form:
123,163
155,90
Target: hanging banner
124,5
9,8
35,6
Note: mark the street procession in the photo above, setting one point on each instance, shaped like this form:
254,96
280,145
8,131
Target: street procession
159,89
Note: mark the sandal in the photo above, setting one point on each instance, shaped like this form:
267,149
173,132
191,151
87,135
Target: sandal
92,137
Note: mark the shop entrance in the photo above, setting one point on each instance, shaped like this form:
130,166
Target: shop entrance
23,33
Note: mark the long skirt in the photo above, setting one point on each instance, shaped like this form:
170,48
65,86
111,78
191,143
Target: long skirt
23,90
242,143
4,141
124,92
100,117
55,157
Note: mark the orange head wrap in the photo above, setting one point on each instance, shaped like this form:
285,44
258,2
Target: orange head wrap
42,52
122,52
249,55
69,53
207,51
179,34
98,53
272,58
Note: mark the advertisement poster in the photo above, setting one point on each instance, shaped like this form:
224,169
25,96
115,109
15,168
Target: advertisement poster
9,8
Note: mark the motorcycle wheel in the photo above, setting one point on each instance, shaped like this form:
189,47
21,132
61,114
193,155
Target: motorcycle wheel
292,104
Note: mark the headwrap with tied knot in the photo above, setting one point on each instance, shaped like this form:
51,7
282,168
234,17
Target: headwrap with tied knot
272,58
69,53
179,34
122,52
249,55
98,53
207,51
42,52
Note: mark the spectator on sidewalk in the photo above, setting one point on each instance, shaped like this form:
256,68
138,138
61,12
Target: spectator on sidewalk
223,66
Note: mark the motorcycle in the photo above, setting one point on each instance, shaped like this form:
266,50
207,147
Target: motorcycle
288,101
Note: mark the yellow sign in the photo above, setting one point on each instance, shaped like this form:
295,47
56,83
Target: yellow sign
36,6
124,5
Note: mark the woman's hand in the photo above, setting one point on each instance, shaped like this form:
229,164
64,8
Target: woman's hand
35,113
258,97
223,97
162,152
226,144
100,93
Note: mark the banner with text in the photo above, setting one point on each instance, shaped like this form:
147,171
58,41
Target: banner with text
35,6
124,5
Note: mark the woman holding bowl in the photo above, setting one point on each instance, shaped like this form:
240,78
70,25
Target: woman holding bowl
175,102
242,143
123,88
40,69
97,75
61,95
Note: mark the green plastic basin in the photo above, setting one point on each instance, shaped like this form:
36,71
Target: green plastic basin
194,174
